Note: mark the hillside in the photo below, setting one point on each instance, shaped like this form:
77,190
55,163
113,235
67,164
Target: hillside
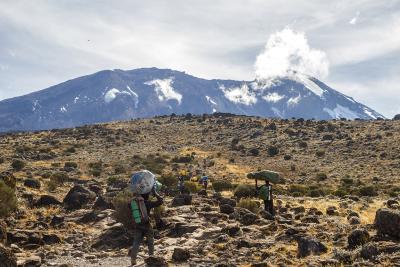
337,174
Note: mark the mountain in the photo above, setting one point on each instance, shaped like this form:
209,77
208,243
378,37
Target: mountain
121,95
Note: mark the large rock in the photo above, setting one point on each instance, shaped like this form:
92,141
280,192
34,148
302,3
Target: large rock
309,246
226,209
47,200
233,230
180,229
370,250
115,237
102,203
7,258
180,254
249,218
77,197
387,222
155,262
227,201
357,238
182,200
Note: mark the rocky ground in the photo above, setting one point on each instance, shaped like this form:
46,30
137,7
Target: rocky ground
338,205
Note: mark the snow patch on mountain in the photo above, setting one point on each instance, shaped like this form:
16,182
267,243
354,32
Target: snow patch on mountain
164,89
294,100
113,93
239,95
273,97
342,112
369,113
309,84
209,99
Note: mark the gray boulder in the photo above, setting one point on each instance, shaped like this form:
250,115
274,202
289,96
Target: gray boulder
77,197
387,222
307,245
357,238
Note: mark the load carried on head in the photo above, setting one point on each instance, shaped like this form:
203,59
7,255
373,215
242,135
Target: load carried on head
265,175
142,182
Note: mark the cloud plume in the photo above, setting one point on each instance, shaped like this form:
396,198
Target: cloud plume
286,53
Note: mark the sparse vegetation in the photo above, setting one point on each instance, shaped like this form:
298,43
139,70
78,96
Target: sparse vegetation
18,164
244,191
221,185
8,200
250,204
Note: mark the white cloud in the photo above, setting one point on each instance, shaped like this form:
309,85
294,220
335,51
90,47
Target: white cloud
354,20
240,95
288,52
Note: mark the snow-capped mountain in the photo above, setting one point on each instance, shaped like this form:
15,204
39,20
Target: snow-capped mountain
120,95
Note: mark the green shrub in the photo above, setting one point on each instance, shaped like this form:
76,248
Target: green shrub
120,169
18,164
244,190
249,204
153,163
55,164
341,192
192,187
169,180
321,176
221,185
122,213
71,164
9,179
395,191
298,190
182,159
96,168
367,190
113,180
70,149
8,200
273,151
59,178
347,181
320,153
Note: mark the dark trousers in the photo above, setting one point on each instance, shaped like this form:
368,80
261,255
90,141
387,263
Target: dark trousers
269,206
138,236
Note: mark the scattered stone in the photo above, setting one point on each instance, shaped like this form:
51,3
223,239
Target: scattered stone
266,215
47,200
50,239
233,230
357,238
226,209
392,203
249,218
299,209
310,219
354,220
32,183
182,200
387,222
332,211
155,262
102,203
309,246
57,220
7,258
180,229
77,197
227,201
114,237
202,193
180,254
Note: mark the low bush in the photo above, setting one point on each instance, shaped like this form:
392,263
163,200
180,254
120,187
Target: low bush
8,200
183,159
367,190
244,190
321,176
221,185
192,187
273,151
59,178
169,180
70,164
122,213
18,164
249,204
96,168
113,180
320,153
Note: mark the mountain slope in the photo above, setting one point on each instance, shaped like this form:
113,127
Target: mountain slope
120,95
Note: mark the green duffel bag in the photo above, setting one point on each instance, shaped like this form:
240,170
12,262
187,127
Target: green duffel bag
265,175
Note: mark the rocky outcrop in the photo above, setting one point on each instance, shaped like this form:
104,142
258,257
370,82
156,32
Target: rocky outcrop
77,197
387,222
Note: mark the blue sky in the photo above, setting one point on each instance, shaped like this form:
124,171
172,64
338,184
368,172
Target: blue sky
43,43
